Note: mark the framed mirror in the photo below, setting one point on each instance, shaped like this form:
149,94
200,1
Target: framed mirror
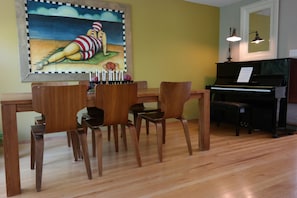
259,20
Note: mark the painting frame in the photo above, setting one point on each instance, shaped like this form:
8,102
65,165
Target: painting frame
25,49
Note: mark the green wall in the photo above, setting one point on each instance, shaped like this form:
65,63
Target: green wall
172,40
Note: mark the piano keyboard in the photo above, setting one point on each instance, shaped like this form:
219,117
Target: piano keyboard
261,89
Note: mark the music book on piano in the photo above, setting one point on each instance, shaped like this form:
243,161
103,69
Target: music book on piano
245,74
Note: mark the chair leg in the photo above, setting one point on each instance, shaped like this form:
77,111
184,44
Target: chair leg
98,135
187,135
160,136
32,152
135,118
138,126
134,139
147,125
164,130
68,133
93,144
108,132
123,133
85,152
75,145
116,137
85,129
39,148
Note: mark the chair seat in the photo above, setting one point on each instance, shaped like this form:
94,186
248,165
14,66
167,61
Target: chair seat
41,121
154,116
94,112
38,129
140,108
94,122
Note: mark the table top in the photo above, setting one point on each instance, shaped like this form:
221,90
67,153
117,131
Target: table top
144,95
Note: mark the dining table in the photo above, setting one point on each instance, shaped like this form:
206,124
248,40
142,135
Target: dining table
12,103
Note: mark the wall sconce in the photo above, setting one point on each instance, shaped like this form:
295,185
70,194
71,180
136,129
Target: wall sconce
257,38
232,38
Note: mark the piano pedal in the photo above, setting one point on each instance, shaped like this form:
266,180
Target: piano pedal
244,124
241,124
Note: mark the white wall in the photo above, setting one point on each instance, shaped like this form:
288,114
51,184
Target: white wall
287,27
230,17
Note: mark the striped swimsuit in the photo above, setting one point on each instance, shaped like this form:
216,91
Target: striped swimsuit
89,46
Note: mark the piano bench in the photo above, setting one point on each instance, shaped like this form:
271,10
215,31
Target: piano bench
234,112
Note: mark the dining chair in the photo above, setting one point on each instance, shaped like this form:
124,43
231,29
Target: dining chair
115,101
140,107
40,119
93,112
172,98
71,138
59,105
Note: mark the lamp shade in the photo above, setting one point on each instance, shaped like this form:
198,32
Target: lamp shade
233,37
257,39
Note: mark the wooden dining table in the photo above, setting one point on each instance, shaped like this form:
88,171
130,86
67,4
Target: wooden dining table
11,103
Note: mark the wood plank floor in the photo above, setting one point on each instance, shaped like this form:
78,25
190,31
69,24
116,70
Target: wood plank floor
249,166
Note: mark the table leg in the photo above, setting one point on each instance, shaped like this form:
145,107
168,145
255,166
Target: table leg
11,150
204,121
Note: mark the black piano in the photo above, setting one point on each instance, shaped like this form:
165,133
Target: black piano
265,85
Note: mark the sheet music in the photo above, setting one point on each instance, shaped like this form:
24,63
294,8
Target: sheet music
245,74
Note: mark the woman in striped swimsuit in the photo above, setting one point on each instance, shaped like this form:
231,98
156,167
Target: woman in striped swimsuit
83,47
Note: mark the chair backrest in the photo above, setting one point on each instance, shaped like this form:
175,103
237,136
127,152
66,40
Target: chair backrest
59,105
173,96
50,83
115,100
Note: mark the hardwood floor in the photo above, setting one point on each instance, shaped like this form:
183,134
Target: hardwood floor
248,166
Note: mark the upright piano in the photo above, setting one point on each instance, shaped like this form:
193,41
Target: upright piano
267,85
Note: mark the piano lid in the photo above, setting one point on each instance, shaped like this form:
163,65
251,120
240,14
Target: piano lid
269,80
228,73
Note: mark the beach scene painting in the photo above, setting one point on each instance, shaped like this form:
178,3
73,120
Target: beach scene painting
69,38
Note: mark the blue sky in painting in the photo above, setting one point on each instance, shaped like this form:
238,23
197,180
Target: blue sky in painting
65,22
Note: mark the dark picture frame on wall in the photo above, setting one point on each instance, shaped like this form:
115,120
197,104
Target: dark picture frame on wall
66,40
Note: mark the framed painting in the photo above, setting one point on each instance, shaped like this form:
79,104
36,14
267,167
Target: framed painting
66,40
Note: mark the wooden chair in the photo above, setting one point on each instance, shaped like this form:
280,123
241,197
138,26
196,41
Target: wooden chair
40,119
93,112
59,105
114,101
140,107
173,96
